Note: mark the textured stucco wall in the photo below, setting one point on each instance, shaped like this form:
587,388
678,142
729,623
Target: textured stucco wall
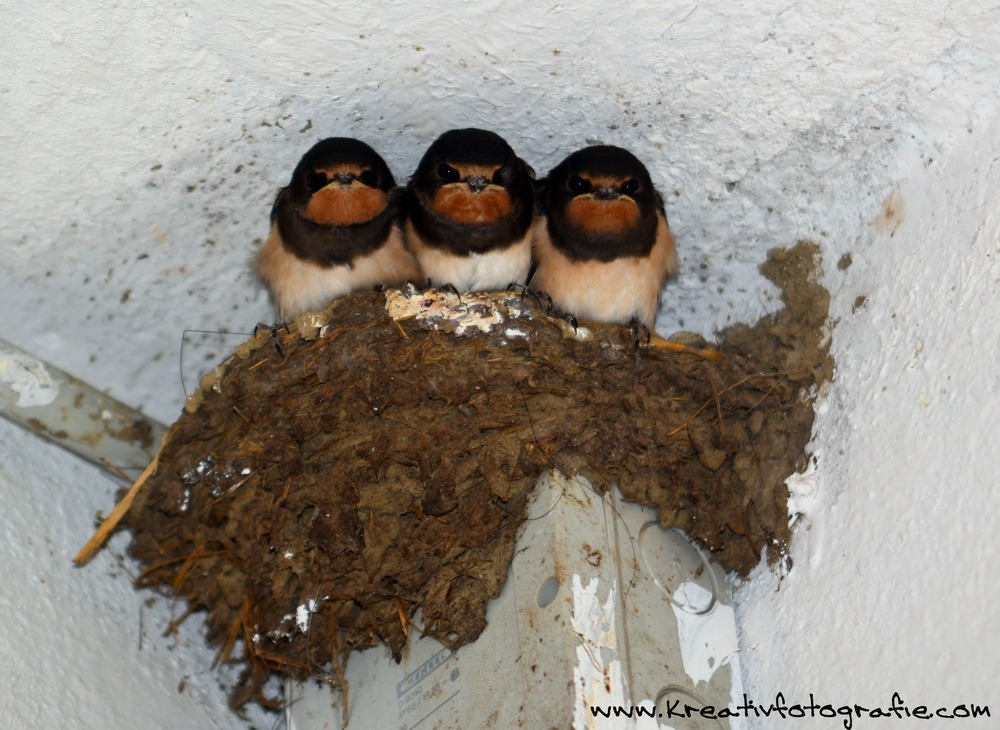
893,588
141,145
80,648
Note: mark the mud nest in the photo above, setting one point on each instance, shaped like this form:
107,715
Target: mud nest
313,499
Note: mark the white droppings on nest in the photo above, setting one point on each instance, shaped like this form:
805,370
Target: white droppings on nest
303,614
292,622
209,382
202,468
311,325
450,312
577,333
284,628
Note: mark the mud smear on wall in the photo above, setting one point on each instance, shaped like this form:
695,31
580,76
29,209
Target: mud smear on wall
313,500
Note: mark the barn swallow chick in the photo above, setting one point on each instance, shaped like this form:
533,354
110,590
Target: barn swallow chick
603,249
470,208
334,229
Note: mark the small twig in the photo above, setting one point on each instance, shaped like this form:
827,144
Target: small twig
718,407
223,653
770,390
716,397
402,616
185,570
340,672
232,489
175,624
116,470
707,353
181,559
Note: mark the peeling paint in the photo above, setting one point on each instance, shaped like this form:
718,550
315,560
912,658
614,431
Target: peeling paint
597,676
707,641
27,377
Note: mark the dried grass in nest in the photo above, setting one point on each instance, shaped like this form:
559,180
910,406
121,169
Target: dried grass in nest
312,500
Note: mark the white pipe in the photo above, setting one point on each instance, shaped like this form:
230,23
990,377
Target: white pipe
73,414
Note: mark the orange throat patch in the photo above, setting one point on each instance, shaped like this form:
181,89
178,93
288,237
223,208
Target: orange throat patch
337,205
602,216
460,204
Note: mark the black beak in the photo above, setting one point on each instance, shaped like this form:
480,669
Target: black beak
345,179
478,184
605,193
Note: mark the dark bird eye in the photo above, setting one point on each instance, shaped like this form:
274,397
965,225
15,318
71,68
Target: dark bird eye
370,178
316,181
498,176
578,185
448,173
631,186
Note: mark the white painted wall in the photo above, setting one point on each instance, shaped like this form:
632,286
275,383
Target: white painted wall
81,648
141,145
894,586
